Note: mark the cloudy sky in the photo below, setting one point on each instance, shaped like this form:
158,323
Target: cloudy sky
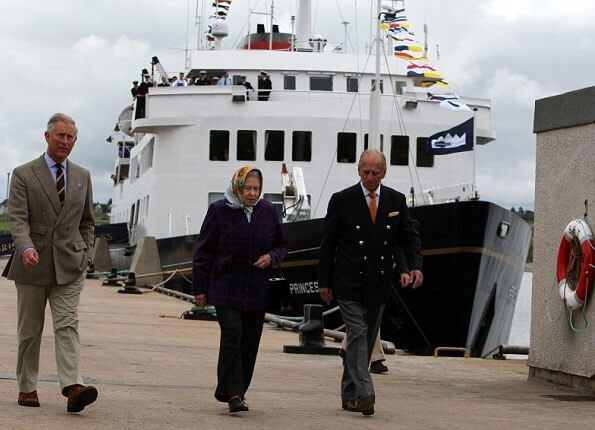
79,57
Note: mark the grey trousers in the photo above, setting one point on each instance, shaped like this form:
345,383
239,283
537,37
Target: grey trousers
361,328
377,351
31,303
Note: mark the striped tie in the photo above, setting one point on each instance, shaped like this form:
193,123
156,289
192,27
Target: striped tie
60,183
373,206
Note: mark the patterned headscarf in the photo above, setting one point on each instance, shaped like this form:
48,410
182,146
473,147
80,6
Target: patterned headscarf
235,192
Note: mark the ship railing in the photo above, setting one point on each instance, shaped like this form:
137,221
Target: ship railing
274,94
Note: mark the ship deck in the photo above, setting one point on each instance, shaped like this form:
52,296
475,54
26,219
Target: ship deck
155,370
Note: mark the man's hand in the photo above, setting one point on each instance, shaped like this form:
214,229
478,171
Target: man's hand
326,294
30,257
263,261
405,279
417,278
201,300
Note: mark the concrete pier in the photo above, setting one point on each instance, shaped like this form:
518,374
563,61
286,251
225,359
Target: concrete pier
154,370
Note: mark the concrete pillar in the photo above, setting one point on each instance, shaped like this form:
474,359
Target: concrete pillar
564,181
101,258
146,260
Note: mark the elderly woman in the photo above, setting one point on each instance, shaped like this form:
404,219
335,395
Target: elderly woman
240,239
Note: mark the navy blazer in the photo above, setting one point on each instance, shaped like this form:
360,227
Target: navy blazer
226,249
357,257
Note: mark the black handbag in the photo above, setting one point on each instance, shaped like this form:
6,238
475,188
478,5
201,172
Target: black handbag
279,292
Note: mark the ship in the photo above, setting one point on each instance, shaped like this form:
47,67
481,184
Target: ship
305,133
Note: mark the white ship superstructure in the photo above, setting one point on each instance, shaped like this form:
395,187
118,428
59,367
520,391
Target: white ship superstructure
193,138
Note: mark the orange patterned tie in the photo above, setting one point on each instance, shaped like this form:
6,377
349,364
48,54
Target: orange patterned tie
373,206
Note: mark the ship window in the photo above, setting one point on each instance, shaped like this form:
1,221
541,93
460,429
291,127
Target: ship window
123,172
321,83
302,146
131,216
219,145
124,149
146,157
289,82
381,142
399,150
400,87
246,145
423,158
346,147
236,79
274,142
373,85
213,197
137,212
352,84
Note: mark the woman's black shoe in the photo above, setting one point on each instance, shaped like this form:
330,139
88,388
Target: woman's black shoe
236,404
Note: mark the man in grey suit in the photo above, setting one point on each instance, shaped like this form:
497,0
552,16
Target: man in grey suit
365,229
50,209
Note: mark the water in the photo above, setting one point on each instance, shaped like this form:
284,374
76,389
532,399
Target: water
521,320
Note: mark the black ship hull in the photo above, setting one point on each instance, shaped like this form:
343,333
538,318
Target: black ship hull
474,256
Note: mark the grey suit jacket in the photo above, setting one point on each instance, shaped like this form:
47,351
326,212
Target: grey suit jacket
62,235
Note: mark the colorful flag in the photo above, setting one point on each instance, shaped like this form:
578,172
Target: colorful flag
441,97
454,105
412,48
422,74
407,56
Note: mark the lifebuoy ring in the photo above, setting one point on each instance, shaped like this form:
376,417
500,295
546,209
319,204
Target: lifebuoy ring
575,297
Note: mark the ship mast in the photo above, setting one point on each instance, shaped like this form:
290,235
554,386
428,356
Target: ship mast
373,137
303,29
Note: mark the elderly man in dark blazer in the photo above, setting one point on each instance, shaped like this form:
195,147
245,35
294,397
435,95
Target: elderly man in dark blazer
363,229
50,210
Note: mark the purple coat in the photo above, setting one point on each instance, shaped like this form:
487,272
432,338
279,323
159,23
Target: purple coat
226,249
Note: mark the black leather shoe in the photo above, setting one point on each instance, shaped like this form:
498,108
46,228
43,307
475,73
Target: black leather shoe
350,406
236,404
365,404
378,367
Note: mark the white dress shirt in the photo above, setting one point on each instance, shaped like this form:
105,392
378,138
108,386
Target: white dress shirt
367,195
54,170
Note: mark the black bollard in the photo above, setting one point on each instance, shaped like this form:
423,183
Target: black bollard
311,334
130,285
111,279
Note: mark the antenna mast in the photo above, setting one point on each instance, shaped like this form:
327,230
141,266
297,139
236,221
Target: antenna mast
425,39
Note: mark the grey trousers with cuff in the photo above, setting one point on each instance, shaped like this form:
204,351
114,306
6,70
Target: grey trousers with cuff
361,327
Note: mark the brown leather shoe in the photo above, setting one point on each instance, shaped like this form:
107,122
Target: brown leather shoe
29,399
365,404
80,396
350,406
378,367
